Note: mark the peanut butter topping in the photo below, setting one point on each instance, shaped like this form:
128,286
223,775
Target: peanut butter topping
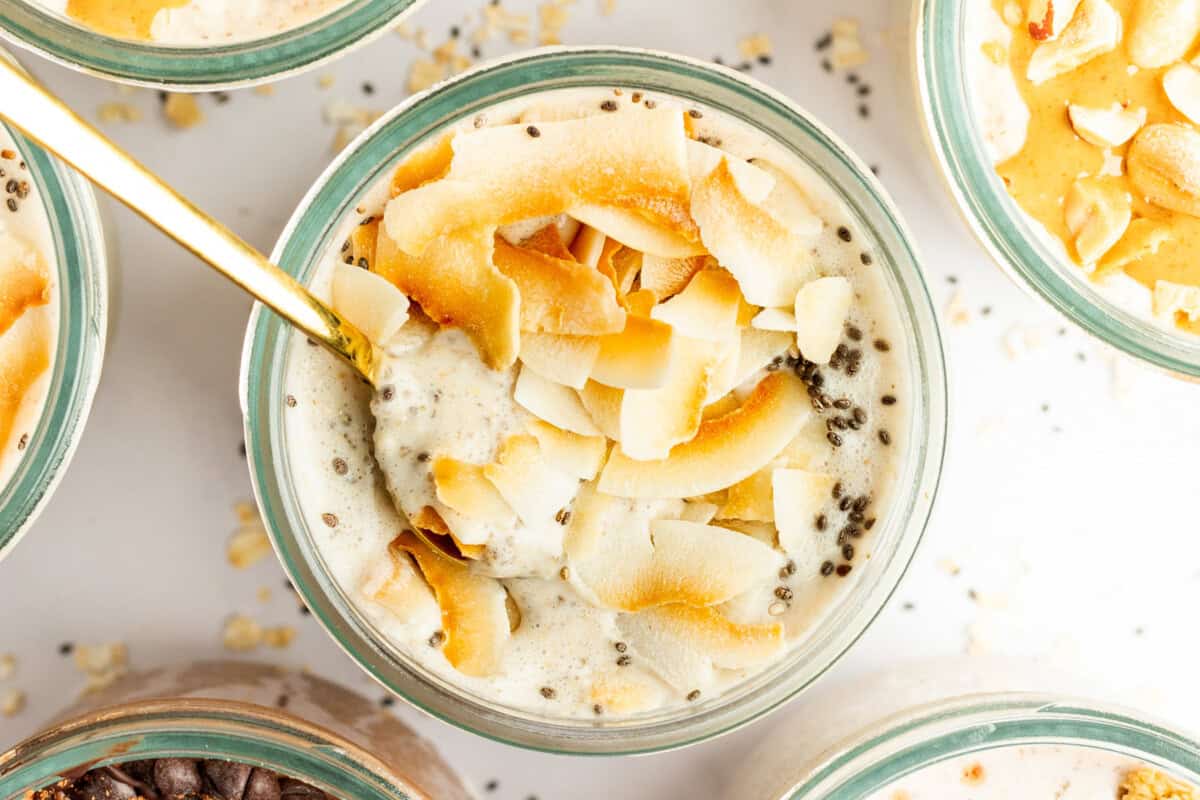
1145,783
124,19
1110,165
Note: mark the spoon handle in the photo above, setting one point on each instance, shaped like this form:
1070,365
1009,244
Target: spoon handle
24,103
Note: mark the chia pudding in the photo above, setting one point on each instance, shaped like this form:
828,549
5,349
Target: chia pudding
640,411
28,307
1089,110
190,23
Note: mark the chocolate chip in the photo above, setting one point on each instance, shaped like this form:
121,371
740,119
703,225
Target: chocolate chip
101,785
263,785
228,778
177,777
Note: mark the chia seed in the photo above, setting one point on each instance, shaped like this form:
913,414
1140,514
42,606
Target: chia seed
888,400
437,639
827,568
843,570
844,233
834,439
624,661
866,259
548,693
340,466
608,105
783,593
693,695
884,436
821,522
533,131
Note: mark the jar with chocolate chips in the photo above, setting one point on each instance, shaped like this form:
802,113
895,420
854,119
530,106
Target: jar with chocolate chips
226,731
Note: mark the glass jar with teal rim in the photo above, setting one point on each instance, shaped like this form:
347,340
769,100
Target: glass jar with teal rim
295,725
316,232
62,220
945,40
944,729
204,66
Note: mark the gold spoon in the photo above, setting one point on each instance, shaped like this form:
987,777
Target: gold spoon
44,118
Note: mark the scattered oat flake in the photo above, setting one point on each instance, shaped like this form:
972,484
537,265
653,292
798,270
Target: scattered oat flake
326,81
1147,783
957,312
848,50
241,634
404,31
8,666
553,16
1023,340
12,702
424,73
263,594
249,544
266,89
182,111
949,566
279,637
119,112
758,44
101,663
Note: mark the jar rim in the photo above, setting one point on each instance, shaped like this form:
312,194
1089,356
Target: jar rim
366,161
928,734
951,131
200,68
81,262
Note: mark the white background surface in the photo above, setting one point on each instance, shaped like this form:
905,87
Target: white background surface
1070,502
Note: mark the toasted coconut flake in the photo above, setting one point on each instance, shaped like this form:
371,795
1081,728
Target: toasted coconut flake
625,692
474,609
799,496
699,511
24,281
683,644
726,358
559,358
466,490
668,276
640,303
635,230
760,531
631,567
548,240
578,456
559,296
769,261
24,356
554,403
427,164
637,358
588,245
821,309
724,451
722,406
789,203
456,283
655,420
396,585
754,183
758,348
751,499
621,265
527,481
431,528
503,174
706,309
603,404
774,319
372,303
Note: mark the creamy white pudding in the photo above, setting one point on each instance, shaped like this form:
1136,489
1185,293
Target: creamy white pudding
1089,110
192,23
28,307
642,439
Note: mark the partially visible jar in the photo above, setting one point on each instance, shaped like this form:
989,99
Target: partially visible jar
293,724
934,721
49,208
215,63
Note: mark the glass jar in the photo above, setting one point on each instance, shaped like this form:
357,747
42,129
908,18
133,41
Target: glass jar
295,724
209,67
312,232
860,737
82,284
1013,239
